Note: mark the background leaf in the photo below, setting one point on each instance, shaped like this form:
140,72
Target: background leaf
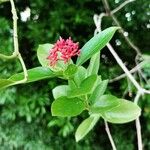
64,106
95,44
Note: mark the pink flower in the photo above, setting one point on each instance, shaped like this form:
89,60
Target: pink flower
63,50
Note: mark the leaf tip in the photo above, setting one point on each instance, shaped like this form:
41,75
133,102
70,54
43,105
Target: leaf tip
77,139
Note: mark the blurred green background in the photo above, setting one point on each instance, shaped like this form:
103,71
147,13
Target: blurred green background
25,118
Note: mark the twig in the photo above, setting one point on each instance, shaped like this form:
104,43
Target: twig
138,125
109,13
127,72
139,135
121,6
16,49
122,31
5,57
98,20
140,65
16,46
124,68
109,136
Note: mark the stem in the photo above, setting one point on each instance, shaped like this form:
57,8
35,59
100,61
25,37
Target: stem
109,136
16,45
2,56
15,36
138,125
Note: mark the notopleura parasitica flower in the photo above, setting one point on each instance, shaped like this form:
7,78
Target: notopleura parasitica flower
62,52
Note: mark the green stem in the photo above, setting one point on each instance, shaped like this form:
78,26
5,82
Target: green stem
16,45
5,57
86,102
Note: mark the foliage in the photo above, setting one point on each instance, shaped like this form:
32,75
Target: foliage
42,129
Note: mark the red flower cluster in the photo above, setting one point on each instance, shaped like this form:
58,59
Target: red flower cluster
63,50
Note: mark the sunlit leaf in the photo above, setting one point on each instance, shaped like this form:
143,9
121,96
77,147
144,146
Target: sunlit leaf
59,91
95,44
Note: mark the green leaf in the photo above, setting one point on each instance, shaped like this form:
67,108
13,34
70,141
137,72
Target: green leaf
42,54
98,92
35,74
70,71
72,84
2,1
125,112
86,126
65,107
95,44
94,64
104,103
85,87
5,83
60,91
80,75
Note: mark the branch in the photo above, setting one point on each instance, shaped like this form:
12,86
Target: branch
110,13
127,72
124,68
16,45
106,6
109,136
121,6
136,68
98,22
138,125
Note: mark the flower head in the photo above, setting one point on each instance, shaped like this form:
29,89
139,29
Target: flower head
63,50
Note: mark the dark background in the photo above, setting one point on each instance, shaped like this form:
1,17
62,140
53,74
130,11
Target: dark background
25,117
